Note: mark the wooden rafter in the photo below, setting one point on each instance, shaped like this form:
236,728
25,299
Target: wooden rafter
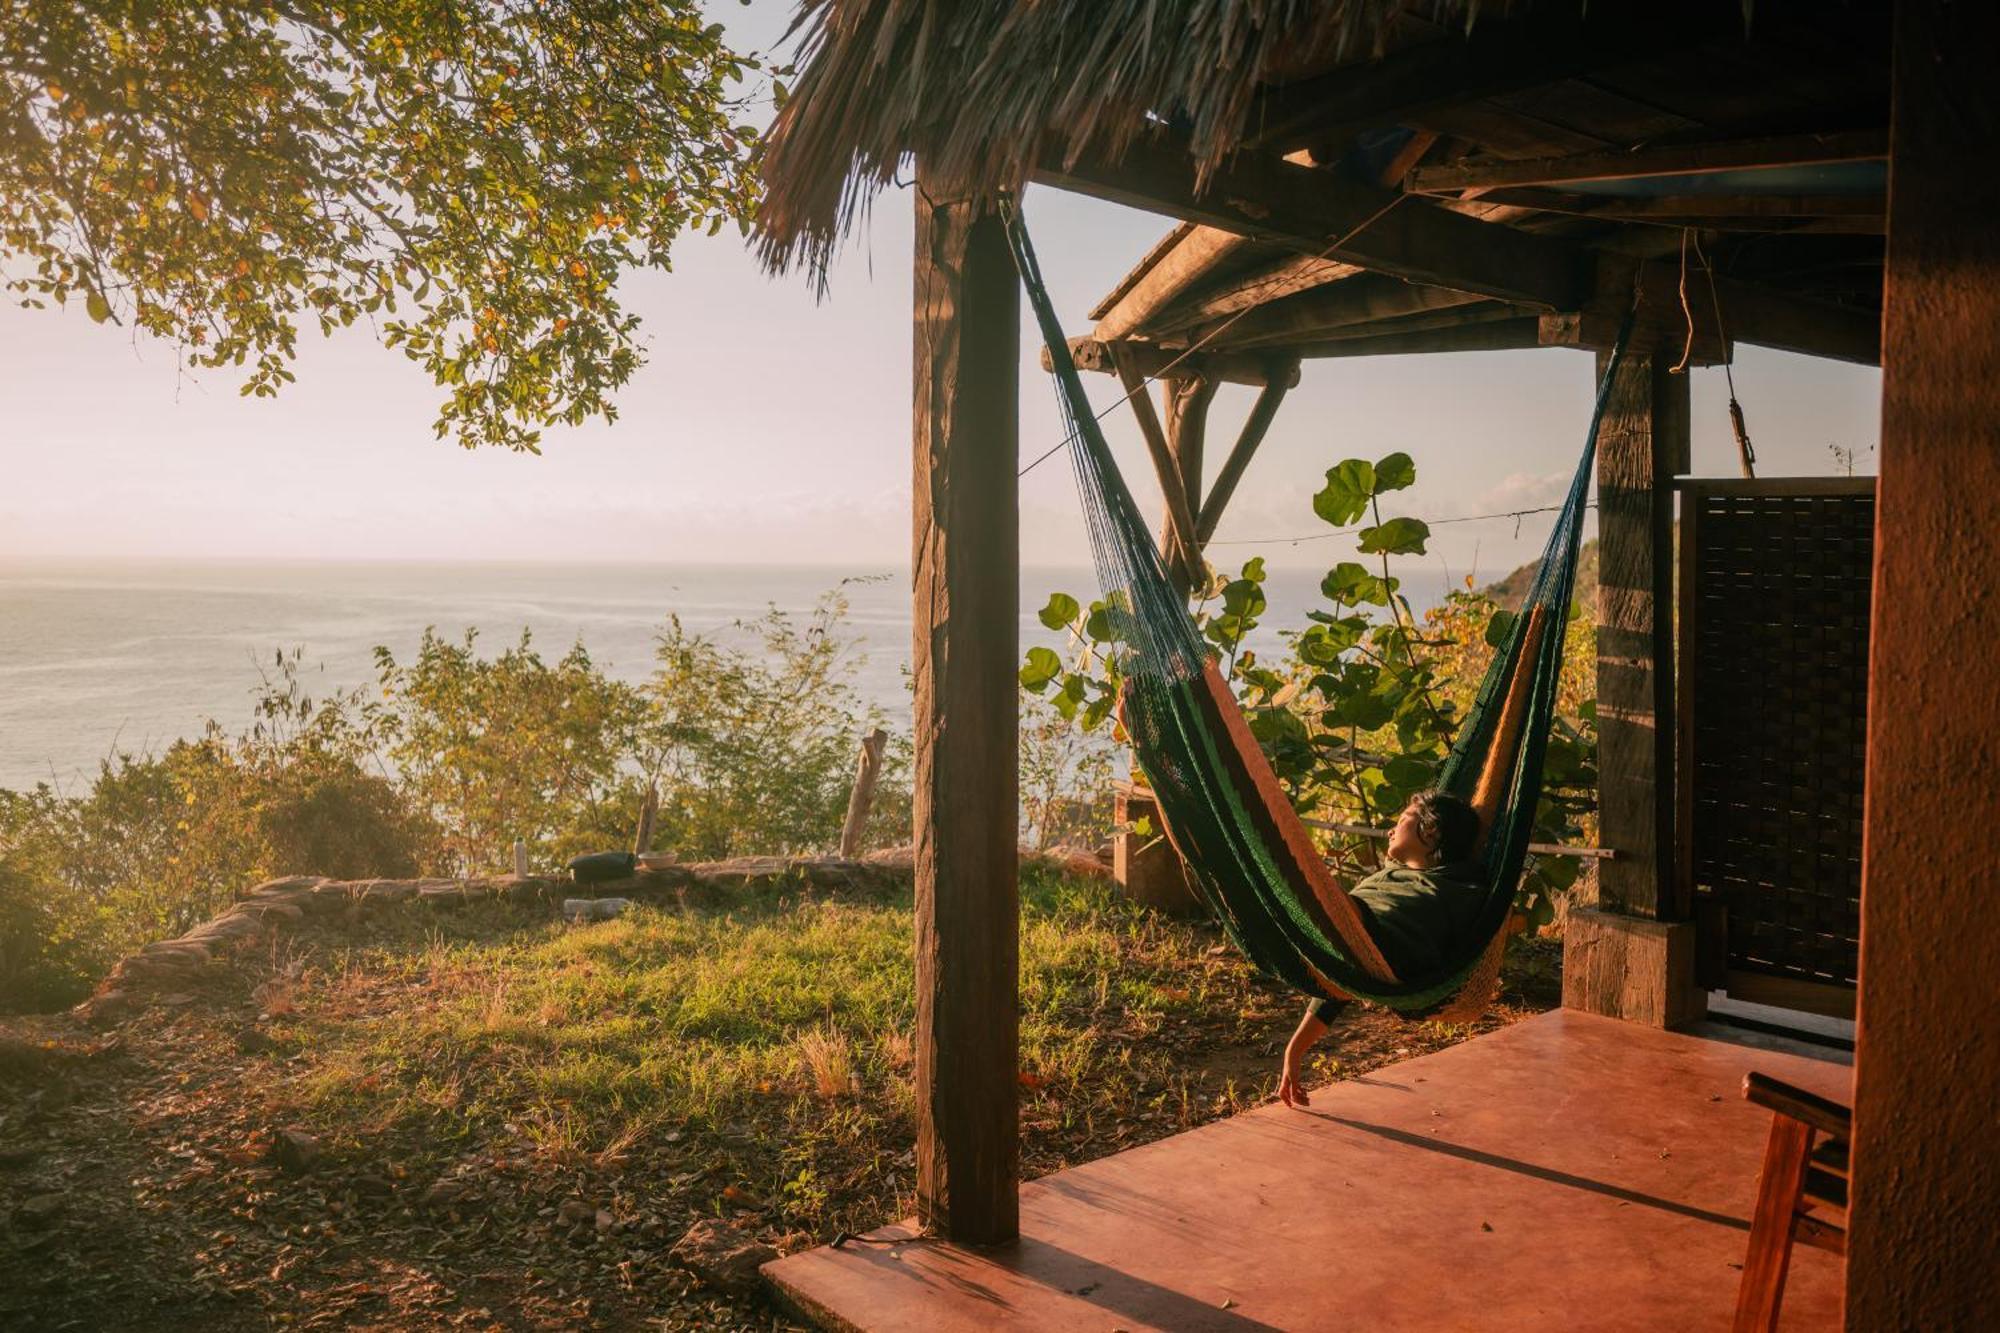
1359,301
1506,335
1153,362
1274,282
1484,173
1192,258
1318,213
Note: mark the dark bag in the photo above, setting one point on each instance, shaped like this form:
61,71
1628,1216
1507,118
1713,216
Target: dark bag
603,867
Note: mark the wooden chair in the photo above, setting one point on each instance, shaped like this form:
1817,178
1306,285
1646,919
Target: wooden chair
1801,1194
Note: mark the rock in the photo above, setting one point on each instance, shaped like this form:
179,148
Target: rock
107,1007
40,1210
295,1150
723,1255
576,1213
605,1222
593,909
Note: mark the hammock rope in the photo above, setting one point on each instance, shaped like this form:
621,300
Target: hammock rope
1252,860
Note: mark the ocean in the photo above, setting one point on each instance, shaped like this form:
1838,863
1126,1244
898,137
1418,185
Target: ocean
103,656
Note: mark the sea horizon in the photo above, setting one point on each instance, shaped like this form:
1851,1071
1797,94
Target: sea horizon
102,655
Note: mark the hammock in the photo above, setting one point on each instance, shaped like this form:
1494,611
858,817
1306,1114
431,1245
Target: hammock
1251,859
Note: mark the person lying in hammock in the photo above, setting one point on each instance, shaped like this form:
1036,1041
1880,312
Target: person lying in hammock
1419,908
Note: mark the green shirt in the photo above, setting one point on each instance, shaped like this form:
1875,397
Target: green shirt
1419,918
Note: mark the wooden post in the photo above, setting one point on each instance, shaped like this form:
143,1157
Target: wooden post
1180,506
967,610
1188,401
867,767
1926,1183
1632,956
642,840
1255,427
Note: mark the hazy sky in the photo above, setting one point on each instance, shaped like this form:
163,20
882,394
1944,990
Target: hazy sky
771,428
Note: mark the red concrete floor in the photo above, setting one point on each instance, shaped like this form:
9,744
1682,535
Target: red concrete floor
1568,1172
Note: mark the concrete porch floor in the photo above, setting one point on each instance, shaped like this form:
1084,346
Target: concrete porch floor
1566,1172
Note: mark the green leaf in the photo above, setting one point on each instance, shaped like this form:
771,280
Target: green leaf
1041,667
1348,489
1399,536
99,308
1498,627
1097,625
1253,570
1366,711
1243,599
1061,611
1408,773
1350,584
1394,473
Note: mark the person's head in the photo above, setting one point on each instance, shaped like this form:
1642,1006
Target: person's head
1436,829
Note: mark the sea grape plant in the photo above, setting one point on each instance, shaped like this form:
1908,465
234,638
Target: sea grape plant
1358,710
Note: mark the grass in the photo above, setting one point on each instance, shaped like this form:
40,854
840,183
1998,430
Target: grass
783,1021
520,1115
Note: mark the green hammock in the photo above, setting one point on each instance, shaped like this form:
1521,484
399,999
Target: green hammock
1250,857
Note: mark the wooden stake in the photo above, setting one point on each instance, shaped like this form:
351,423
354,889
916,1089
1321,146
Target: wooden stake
867,766
642,841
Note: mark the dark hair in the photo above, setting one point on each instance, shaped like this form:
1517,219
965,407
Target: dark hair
1447,823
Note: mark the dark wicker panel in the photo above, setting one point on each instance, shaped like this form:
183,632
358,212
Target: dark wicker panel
1778,677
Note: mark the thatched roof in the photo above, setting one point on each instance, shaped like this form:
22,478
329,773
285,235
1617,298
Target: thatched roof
976,87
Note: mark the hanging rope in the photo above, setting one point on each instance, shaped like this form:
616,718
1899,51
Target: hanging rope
1746,453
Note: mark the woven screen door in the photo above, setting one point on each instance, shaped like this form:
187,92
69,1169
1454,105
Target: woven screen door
1773,705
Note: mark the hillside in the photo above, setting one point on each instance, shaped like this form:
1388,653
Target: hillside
1509,591
432,1104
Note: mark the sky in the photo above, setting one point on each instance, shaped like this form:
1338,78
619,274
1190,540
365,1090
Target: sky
773,427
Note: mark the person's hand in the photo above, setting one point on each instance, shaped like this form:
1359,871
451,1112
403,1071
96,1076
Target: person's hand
1292,1088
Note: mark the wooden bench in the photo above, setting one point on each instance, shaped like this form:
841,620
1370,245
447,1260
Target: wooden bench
1801,1194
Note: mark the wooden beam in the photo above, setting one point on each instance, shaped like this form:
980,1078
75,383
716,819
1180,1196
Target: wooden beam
1192,258
1274,282
1926,1196
1405,159
1363,300
1800,150
1255,427
1751,312
1642,445
1180,515
965,801
1762,315
1508,335
1154,362
1318,212
1735,212
1417,317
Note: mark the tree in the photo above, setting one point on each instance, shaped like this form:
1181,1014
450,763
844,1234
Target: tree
469,178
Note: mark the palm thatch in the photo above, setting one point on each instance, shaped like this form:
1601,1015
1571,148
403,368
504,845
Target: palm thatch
976,89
